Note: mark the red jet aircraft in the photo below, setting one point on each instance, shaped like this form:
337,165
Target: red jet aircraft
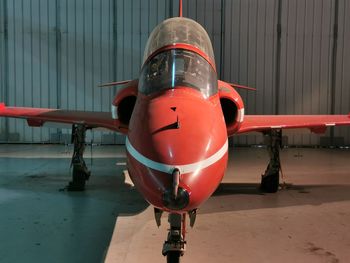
177,117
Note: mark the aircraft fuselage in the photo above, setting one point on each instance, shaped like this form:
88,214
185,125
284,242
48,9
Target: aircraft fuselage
177,138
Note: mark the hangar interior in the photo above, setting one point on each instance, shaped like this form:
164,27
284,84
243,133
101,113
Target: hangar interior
56,53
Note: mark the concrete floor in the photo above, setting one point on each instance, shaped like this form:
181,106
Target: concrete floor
308,221
39,223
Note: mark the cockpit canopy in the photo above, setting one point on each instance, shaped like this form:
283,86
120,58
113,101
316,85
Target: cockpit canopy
179,30
176,67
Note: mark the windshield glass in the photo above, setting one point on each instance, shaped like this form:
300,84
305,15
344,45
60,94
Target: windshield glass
177,67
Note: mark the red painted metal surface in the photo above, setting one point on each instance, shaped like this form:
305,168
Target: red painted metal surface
242,87
153,135
129,90
227,92
316,123
180,8
37,116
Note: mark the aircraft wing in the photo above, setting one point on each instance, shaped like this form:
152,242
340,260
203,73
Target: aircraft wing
36,117
316,123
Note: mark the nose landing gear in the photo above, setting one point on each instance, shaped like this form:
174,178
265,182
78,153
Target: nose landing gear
175,245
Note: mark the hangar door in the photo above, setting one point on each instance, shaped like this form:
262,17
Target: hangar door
54,54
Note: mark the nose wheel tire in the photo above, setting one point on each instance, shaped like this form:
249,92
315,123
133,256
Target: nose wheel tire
173,257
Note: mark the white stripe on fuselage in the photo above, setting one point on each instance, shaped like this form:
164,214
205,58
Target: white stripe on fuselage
169,168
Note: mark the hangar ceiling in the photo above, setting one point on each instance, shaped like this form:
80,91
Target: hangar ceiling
54,54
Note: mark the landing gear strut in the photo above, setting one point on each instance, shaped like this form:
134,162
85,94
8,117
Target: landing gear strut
80,172
270,179
175,245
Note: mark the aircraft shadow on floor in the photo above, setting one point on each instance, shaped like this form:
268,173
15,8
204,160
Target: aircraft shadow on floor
52,175
34,210
248,196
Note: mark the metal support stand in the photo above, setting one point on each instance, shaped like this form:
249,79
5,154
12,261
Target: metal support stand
270,179
80,172
175,245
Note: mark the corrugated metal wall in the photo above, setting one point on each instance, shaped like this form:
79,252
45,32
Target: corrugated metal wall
306,60
59,51
342,67
55,53
249,54
3,67
291,70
